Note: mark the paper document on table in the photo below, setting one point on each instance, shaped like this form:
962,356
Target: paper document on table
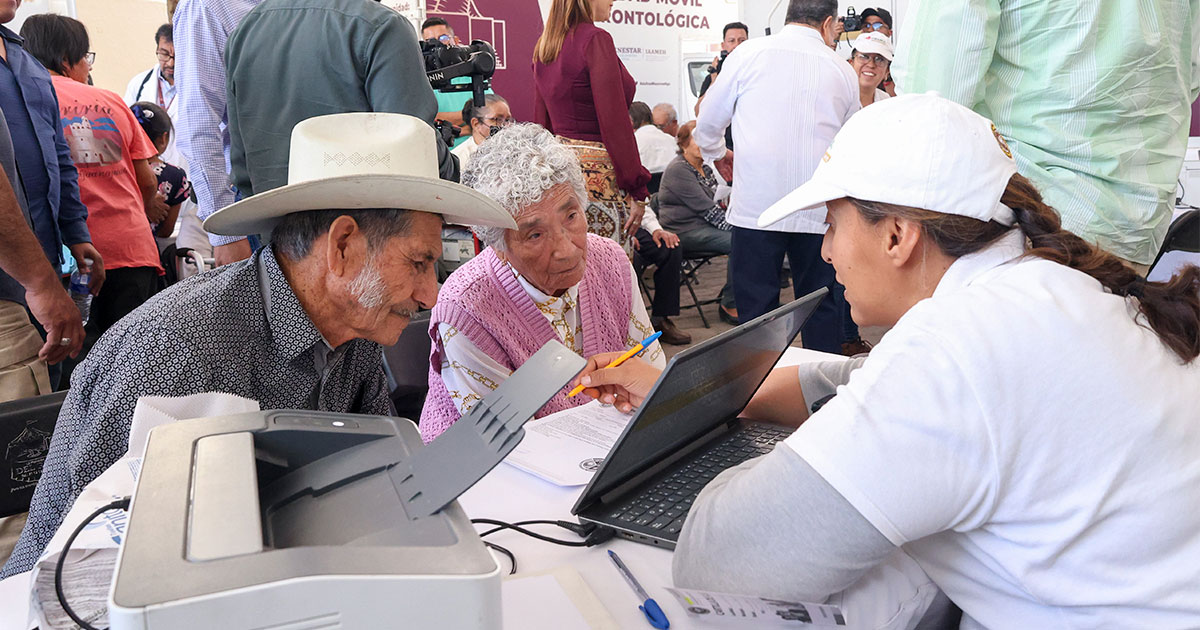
756,611
556,600
566,448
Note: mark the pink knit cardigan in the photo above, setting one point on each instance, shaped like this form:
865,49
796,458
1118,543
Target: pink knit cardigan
484,301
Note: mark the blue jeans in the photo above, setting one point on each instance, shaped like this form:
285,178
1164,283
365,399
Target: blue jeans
711,240
757,266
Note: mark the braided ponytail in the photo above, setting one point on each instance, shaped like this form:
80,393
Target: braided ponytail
1171,309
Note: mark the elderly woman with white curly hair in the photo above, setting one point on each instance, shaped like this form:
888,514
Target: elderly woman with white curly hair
548,279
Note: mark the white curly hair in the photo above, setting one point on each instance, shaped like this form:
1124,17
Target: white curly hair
515,167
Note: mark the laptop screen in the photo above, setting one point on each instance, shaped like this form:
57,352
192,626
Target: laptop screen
701,388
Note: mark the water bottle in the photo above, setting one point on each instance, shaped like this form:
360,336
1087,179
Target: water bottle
80,292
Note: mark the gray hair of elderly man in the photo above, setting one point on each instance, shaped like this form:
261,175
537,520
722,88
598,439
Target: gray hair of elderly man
294,235
666,109
516,167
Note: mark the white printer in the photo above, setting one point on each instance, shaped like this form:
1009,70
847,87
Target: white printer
308,520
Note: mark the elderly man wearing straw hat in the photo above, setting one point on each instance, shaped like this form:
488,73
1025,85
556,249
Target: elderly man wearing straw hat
354,237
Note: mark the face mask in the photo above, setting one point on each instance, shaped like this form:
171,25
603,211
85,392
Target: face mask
493,130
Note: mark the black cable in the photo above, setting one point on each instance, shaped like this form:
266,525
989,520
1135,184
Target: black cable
120,504
580,529
517,528
511,558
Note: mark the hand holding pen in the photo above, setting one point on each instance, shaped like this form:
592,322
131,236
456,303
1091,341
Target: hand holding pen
613,379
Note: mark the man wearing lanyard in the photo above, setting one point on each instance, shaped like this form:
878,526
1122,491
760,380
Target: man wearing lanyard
157,85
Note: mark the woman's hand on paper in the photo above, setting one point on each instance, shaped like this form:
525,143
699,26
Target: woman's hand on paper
624,386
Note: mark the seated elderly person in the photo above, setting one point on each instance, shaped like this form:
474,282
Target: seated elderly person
689,206
547,279
298,325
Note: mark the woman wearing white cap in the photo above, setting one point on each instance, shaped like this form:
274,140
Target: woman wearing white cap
1028,431
871,58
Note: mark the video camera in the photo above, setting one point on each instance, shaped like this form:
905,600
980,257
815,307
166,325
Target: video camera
851,21
721,63
443,63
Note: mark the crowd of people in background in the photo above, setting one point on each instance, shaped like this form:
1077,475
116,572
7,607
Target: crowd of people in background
573,209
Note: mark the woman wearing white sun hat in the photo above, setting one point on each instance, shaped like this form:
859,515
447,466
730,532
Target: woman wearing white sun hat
871,58
1027,431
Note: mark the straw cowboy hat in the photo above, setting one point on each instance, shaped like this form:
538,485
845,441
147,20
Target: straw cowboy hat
360,160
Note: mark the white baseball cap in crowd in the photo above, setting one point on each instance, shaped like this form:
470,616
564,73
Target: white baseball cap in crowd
356,161
917,150
873,43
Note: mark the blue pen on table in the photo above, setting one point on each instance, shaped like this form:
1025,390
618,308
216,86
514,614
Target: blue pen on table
653,613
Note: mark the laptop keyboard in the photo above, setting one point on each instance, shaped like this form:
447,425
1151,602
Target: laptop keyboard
663,506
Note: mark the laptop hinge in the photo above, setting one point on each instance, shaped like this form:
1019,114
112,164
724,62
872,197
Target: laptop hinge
680,453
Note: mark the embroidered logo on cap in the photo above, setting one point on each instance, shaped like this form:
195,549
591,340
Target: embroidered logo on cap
1000,139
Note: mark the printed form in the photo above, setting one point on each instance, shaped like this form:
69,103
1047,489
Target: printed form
567,447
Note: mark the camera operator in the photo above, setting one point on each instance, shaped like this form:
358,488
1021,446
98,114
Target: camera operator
450,104
352,56
732,36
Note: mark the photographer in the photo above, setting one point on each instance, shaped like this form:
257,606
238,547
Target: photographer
732,36
450,104
352,56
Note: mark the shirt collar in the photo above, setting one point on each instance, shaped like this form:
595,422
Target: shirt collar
556,303
291,329
11,35
967,269
803,31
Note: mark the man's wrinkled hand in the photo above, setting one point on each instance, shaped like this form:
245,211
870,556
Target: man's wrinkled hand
54,310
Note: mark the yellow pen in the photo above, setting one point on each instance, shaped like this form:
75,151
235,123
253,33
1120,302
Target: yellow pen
633,352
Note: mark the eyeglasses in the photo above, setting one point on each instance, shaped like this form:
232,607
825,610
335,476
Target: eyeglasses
164,56
874,26
90,58
498,121
878,60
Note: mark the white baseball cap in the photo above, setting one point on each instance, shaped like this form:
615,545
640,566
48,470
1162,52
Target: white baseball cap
873,42
934,154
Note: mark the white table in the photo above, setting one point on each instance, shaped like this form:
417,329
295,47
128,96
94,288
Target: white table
510,495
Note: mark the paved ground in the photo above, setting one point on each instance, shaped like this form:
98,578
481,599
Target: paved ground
712,276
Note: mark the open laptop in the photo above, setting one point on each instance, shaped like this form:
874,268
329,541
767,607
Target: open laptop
687,430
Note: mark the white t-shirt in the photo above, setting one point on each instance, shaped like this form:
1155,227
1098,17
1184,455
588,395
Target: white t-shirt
1034,449
656,147
145,86
464,151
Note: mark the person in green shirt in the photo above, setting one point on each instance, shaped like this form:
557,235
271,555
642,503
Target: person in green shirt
1093,98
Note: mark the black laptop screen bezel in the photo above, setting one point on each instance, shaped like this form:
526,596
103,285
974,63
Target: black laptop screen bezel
599,486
